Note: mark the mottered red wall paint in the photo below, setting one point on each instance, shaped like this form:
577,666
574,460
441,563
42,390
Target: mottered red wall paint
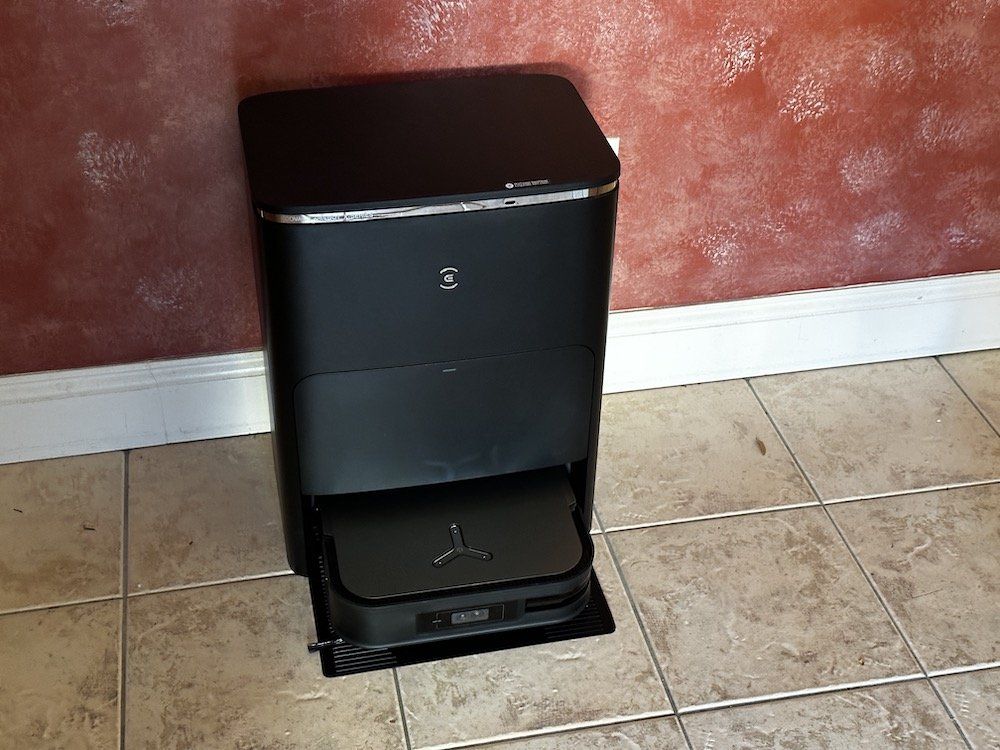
766,145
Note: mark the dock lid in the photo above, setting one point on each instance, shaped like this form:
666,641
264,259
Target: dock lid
421,143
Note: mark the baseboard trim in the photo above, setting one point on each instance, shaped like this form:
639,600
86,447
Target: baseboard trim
803,331
98,409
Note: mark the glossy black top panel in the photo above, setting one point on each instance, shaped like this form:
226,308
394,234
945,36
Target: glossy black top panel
422,142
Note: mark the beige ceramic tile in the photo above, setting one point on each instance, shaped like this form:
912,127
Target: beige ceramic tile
974,698
755,605
474,697
226,666
60,530
881,428
690,451
905,716
936,558
979,374
661,734
205,511
59,677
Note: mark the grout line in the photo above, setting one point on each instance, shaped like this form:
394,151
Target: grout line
803,693
867,576
134,594
57,605
402,710
840,532
808,504
893,619
951,714
718,705
712,516
206,584
947,672
843,537
548,731
122,666
950,711
917,491
941,697
966,394
899,629
645,634
781,436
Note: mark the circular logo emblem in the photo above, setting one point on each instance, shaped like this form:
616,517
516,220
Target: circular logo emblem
509,185
448,280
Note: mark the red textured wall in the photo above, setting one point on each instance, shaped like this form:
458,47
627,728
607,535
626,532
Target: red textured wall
766,146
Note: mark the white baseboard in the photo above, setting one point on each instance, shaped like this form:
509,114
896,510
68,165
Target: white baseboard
95,409
69,412
803,331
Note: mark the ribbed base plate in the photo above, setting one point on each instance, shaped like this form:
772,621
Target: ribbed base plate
342,658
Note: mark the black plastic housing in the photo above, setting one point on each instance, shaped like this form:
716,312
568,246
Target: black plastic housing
409,355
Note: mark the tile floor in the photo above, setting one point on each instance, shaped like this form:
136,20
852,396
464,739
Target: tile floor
802,560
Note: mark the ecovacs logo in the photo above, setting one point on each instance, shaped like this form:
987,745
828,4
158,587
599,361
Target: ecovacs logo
528,183
448,280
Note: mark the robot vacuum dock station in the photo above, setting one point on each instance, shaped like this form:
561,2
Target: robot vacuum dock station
434,262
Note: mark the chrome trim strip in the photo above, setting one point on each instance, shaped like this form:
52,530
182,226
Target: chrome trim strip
339,217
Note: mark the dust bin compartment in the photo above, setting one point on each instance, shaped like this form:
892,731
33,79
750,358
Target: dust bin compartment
367,430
